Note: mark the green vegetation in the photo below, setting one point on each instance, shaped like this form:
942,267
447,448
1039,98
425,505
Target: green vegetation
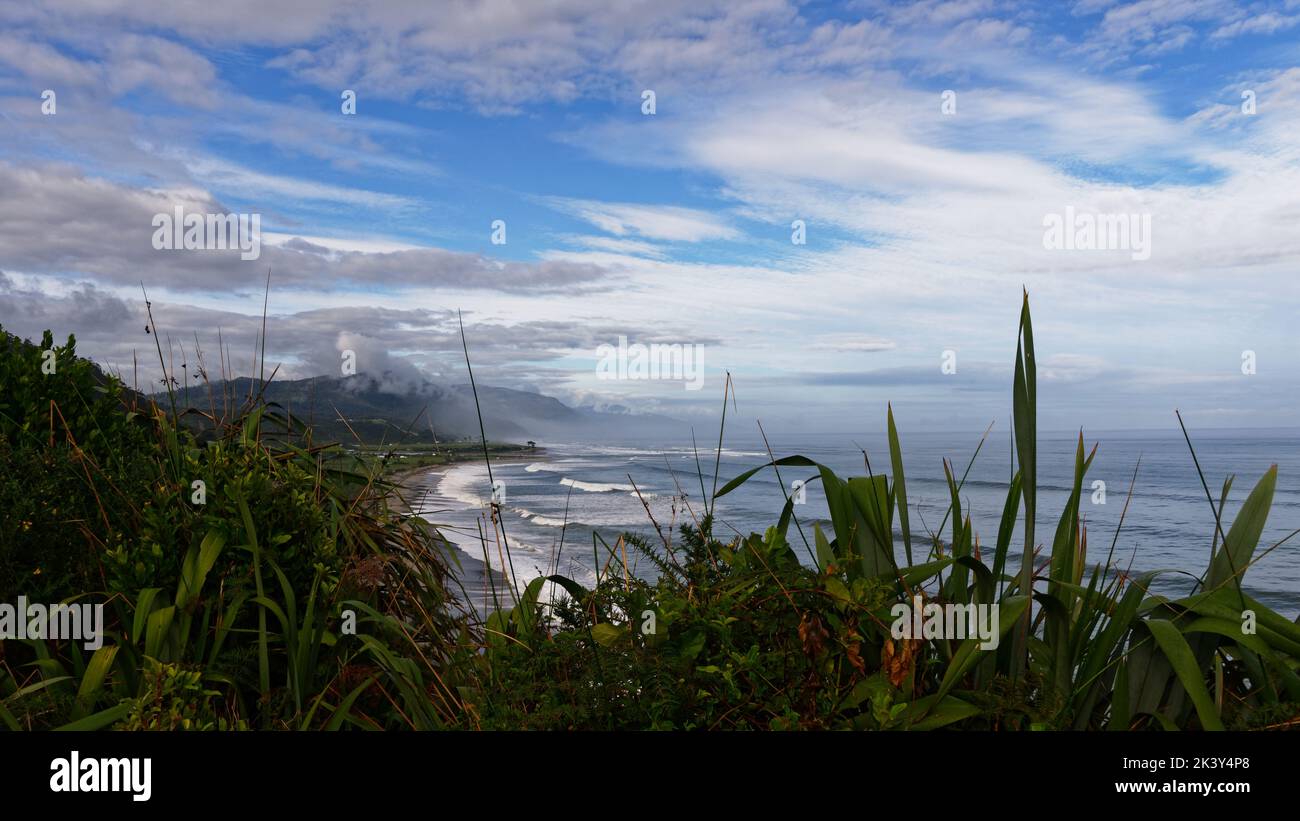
224,603
233,613
396,460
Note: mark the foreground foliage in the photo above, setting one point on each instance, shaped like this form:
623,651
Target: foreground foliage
294,592
225,601
745,636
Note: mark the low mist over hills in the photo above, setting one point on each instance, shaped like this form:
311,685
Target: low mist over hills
429,411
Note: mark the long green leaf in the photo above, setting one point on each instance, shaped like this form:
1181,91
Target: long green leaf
97,721
900,483
96,671
1175,648
1239,545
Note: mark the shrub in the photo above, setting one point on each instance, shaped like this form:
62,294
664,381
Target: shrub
75,461
747,637
103,507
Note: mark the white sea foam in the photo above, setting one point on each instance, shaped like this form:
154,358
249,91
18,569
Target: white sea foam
538,519
530,557
594,487
467,484
551,467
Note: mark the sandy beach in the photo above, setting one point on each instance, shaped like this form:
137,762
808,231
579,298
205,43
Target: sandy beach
479,583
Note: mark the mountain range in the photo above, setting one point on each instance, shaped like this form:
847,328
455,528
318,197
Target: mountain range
432,412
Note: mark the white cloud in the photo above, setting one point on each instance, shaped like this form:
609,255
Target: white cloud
662,222
249,184
618,246
1267,23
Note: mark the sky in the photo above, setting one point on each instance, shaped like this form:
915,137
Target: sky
922,149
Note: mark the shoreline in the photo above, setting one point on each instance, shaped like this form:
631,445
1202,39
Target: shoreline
518,453
476,584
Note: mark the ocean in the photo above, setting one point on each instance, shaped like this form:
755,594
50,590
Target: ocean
554,501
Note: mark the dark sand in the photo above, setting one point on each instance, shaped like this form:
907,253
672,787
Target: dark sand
474,581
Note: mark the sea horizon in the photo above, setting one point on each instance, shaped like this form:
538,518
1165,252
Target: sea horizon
583,488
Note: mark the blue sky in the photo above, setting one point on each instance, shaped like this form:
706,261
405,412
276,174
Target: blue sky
922,226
